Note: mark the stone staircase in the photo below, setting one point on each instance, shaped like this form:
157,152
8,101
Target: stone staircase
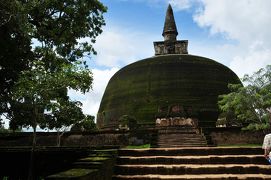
180,136
191,163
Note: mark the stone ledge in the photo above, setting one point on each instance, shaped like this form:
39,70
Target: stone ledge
199,176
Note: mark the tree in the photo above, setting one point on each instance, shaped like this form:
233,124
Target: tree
251,103
87,124
15,50
41,91
60,31
62,116
3,130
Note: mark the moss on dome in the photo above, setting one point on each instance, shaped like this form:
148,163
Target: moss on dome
140,88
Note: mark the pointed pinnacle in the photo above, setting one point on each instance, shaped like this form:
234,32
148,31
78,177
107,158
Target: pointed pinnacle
170,25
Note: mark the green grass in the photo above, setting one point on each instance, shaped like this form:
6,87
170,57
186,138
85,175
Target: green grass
139,147
240,145
95,159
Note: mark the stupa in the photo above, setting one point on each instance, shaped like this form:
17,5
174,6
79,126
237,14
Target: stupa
171,83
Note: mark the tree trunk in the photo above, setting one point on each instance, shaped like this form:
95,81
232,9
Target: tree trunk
59,135
34,142
58,139
32,158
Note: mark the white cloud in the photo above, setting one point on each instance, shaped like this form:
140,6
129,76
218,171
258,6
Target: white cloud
246,21
243,19
5,121
255,60
92,99
180,5
151,2
117,47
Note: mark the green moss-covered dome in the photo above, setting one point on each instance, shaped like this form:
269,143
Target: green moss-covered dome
141,88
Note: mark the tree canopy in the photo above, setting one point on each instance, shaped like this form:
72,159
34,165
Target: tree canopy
15,49
86,124
42,55
42,95
250,104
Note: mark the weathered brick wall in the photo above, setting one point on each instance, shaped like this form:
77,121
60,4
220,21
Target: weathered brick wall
85,139
68,139
232,136
220,136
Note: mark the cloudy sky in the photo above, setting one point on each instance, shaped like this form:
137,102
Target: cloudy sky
234,33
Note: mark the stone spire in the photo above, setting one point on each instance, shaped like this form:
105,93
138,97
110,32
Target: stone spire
170,30
170,45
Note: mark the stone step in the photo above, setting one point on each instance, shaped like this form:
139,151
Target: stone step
181,140
195,144
198,176
179,130
177,137
180,145
210,159
180,135
188,132
175,127
182,169
198,151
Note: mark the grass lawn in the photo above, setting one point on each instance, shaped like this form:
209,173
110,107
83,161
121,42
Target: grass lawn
139,147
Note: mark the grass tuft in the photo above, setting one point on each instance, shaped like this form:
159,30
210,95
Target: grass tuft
144,146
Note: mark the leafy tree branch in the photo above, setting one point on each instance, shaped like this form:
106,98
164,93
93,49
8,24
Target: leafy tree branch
250,103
